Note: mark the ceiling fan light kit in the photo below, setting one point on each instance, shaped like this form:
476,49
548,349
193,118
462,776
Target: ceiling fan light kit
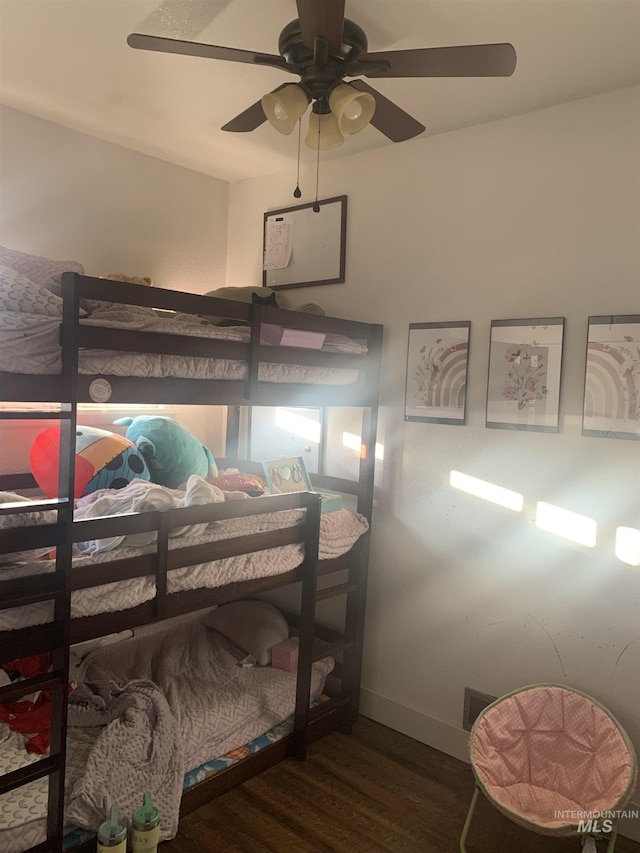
323,47
324,132
284,106
353,109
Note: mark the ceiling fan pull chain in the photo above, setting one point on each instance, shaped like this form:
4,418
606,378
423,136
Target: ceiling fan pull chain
316,206
297,192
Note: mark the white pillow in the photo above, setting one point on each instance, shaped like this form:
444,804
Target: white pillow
253,626
20,295
11,321
39,270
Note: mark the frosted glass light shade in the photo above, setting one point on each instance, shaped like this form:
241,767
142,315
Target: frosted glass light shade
284,107
352,109
330,136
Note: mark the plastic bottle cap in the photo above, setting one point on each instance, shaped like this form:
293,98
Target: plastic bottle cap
112,832
147,816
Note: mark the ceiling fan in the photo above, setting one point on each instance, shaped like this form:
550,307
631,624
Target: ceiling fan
323,47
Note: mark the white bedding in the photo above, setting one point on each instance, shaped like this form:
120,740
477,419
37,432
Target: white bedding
22,811
31,343
219,706
339,530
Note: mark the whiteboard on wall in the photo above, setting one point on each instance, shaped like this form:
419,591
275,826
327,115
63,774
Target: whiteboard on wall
303,247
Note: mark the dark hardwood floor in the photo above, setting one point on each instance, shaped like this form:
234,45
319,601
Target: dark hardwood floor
375,790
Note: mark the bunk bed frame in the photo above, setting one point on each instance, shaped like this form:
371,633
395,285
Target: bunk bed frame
70,388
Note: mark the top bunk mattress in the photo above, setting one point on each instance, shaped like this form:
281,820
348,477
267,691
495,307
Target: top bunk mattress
30,344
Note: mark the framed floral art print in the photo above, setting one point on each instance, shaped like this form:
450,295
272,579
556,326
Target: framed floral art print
612,378
525,366
437,365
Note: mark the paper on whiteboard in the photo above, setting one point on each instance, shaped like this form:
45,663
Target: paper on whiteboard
278,244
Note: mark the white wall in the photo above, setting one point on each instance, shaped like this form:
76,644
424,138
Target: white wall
66,195
534,216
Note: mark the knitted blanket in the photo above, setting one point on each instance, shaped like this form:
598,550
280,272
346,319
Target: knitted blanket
141,496
138,750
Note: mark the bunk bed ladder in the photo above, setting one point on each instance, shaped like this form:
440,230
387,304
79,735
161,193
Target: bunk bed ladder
346,643
358,569
52,637
307,628
353,635
350,642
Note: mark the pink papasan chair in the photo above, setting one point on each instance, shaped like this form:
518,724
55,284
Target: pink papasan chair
553,760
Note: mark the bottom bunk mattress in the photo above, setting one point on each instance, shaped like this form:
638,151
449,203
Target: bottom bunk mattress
339,531
204,704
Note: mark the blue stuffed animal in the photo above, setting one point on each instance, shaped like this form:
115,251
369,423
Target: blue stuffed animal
172,453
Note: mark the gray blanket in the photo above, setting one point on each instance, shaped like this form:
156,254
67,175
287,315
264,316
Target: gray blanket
202,697
138,750
218,705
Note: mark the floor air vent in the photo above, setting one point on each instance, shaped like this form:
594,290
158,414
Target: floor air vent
474,702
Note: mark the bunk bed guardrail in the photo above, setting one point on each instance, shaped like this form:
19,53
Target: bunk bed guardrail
75,335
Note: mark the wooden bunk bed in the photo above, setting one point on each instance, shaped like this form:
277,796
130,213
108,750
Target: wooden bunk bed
73,385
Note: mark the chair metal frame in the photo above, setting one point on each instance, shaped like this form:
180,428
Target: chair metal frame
596,835
584,835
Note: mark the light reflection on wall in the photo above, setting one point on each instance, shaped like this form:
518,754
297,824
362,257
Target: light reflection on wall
628,545
553,519
298,424
354,442
569,525
487,491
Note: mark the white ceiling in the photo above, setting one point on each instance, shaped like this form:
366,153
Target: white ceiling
68,61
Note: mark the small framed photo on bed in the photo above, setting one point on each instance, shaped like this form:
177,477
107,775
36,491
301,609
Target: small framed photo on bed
525,366
437,366
612,378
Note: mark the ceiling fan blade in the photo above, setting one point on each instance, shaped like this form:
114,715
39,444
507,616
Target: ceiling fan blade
324,18
208,51
389,118
473,60
247,120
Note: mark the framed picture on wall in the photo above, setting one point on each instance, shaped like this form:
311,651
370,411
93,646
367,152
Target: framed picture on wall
612,378
525,366
437,365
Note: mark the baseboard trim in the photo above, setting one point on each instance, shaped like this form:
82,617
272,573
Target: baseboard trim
449,739
436,733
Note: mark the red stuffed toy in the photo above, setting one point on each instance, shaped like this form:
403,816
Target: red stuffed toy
104,460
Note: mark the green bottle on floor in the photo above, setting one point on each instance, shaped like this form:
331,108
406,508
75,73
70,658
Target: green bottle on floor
112,835
145,832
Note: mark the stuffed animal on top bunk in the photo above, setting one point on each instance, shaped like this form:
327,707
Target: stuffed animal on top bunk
104,460
256,296
172,453
128,279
